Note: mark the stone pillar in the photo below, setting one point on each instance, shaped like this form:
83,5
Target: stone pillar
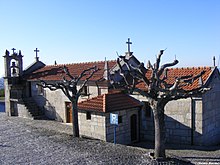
6,82
20,64
7,97
7,64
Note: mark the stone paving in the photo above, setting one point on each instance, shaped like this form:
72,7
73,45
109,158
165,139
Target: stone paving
25,141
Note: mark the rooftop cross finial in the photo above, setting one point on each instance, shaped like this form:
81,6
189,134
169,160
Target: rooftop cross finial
13,49
36,50
214,60
129,43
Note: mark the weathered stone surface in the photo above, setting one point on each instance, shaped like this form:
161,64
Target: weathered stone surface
25,141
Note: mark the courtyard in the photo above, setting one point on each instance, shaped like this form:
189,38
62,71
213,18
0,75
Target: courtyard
25,141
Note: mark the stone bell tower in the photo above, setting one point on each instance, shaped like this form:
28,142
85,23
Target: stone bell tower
13,65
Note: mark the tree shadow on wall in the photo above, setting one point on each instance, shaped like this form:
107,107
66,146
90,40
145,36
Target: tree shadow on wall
179,137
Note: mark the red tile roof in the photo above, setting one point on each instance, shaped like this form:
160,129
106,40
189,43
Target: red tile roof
173,73
109,102
55,72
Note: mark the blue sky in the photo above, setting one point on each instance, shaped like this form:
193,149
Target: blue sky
71,31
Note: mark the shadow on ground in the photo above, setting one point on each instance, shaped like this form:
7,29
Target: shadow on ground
150,145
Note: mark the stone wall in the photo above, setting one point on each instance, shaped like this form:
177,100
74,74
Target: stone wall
22,111
94,127
99,126
178,120
189,121
211,114
123,130
53,102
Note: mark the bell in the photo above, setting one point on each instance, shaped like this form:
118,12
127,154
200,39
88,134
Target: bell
13,71
13,64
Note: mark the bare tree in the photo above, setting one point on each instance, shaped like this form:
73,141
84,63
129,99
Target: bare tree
158,91
69,87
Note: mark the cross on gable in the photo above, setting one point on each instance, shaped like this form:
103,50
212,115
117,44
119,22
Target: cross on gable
36,50
129,43
13,49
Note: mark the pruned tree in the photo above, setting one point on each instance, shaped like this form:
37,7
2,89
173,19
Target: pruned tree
158,90
72,87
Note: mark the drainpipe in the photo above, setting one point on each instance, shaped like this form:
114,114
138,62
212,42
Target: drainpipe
192,121
139,124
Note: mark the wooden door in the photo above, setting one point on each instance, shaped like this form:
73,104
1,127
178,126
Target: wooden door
68,112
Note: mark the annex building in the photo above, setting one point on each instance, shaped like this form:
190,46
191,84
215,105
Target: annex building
188,121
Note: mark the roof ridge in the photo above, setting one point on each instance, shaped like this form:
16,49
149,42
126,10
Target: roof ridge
89,62
193,67
212,72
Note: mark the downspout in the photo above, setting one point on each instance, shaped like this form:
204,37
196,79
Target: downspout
192,121
139,123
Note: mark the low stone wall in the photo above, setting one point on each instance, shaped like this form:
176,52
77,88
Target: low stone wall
22,111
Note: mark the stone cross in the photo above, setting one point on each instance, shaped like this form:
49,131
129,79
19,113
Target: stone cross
13,49
36,50
129,43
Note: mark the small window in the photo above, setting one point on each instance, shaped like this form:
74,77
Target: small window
147,109
119,119
40,90
88,115
85,90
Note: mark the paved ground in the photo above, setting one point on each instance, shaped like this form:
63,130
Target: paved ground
24,141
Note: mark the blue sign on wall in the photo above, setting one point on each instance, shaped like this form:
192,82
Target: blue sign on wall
113,118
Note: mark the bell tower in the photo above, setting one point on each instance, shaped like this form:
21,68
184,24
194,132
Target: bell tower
13,72
13,64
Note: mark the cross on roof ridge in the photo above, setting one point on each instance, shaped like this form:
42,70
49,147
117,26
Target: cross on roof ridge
129,43
36,50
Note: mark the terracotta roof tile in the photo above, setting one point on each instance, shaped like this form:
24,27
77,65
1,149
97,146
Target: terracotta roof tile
109,102
173,73
55,72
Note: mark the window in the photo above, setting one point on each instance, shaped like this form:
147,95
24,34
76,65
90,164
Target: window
119,119
85,90
88,115
147,109
40,90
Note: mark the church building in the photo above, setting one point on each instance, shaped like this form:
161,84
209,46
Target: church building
194,121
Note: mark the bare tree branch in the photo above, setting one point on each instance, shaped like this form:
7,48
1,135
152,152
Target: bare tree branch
66,70
163,67
94,70
69,88
159,91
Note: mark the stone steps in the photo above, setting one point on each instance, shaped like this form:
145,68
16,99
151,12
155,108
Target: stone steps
33,109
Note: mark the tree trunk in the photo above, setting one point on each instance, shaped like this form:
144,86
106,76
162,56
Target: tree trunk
75,118
159,132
